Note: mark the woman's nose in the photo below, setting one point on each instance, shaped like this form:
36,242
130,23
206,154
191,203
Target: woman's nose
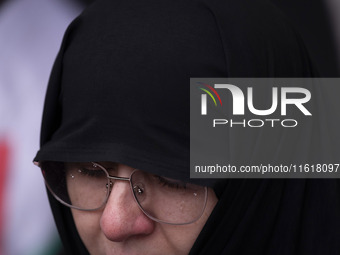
122,218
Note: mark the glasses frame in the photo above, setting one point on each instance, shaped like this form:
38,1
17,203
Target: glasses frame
118,178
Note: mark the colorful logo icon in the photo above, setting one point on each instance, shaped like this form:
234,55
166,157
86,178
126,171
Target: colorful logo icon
204,97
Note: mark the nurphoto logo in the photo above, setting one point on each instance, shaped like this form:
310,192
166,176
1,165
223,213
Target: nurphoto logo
264,127
279,96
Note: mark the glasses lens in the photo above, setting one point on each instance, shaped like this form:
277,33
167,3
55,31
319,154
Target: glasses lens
166,200
86,186
80,185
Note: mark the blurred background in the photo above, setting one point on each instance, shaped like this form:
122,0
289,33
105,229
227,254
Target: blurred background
30,35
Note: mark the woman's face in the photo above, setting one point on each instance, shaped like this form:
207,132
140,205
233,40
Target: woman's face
122,228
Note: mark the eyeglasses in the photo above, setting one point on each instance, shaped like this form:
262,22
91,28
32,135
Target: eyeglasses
87,186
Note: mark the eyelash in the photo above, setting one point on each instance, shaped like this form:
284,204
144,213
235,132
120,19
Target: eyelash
91,172
171,184
161,180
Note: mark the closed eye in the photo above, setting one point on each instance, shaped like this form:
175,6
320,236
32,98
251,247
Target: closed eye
175,184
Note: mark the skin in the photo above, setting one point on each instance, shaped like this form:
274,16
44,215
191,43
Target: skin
122,228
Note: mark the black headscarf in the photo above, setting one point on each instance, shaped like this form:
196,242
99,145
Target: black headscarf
119,91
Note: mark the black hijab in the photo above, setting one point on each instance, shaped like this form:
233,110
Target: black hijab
119,91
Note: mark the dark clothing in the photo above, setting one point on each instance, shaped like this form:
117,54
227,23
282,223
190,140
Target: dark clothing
119,91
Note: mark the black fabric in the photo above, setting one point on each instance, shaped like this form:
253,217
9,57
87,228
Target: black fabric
119,91
313,21
137,58
295,216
